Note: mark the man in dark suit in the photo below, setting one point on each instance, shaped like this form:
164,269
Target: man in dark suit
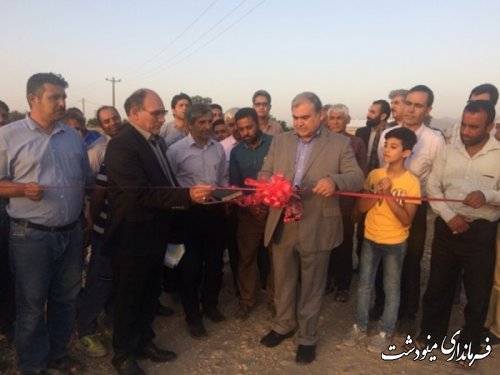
137,232
319,162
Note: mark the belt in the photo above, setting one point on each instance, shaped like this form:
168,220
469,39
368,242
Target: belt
29,224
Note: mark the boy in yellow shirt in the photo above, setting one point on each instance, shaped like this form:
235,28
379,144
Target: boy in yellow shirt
387,227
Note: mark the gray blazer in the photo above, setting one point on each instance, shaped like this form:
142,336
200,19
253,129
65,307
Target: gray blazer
320,228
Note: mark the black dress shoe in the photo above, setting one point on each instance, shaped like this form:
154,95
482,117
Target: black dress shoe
127,367
152,352
214,315
197,330
274,338
163,310
66,365
305,354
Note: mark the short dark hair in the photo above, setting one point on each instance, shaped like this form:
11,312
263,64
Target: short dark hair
36,82
102,108
486,88
179,97
4,106
75,114
423,88
261,93
195,112
482,106
246,112
218,122
385,107
406,136
215,106
136,100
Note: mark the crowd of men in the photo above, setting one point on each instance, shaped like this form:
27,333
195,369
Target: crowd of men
141,188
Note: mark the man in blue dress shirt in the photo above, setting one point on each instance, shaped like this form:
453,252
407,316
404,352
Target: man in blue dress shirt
43,170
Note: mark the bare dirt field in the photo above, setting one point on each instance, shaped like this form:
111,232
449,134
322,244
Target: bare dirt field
233,347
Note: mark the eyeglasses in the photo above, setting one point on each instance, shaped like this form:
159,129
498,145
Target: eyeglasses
261,104
158,113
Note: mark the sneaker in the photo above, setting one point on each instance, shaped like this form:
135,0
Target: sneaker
92,346
355,336
378,343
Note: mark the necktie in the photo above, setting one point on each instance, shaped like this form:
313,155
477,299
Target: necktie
162,159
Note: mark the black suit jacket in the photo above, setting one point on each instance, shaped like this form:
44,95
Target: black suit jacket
140,208
364,134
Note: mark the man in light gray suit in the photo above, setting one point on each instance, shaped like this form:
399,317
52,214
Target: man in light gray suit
320,163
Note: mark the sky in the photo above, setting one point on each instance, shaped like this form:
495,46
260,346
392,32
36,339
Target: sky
351,52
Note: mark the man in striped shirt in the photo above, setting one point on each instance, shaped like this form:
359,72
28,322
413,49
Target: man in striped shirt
99,284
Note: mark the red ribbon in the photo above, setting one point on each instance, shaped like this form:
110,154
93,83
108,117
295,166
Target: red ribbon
275,192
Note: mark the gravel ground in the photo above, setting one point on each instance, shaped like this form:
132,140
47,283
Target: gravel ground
233,347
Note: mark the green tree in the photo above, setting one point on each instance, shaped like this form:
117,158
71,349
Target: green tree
92,123
280,122
198,99
16,115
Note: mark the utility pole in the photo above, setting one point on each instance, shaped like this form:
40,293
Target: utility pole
113,81
83,106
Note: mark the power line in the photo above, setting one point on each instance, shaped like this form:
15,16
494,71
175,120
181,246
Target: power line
219,34
175,39
202,35
86,85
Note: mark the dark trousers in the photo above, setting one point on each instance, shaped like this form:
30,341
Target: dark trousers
137,288
410,276
201,265
340,268
98,292
474,252
7,299
231,229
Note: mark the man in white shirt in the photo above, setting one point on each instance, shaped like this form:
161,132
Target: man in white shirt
418,105
464,232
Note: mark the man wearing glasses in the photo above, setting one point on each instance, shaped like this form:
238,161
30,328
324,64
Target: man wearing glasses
137,231
262,104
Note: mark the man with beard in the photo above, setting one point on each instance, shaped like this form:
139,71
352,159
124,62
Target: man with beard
464,232
376,122
418,105
246,160
177,128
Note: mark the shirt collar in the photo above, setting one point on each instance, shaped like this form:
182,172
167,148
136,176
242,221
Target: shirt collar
32,125
491,144
191,142
313,137
147,135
